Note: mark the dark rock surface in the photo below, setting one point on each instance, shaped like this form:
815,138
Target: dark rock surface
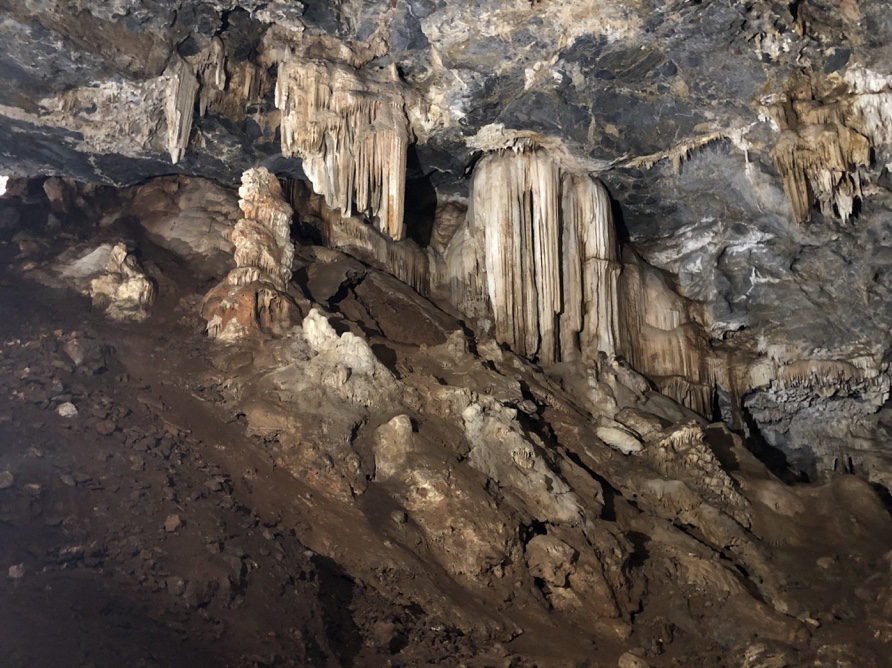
746,147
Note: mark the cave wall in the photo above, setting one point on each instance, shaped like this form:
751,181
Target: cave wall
745,148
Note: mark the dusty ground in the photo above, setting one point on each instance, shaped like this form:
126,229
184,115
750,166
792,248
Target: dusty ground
129,544
150,530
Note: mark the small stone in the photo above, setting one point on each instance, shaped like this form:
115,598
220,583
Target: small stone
75,350
399,516
213,485
826,562
172,523
67,479
80,478
175,586
199,594
629,660
106,427
16,572
67,410
6,479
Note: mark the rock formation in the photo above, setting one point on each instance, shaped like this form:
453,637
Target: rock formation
353,135
494,270
540,251
253,296
124,291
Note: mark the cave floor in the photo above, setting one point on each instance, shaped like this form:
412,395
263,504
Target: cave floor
149,530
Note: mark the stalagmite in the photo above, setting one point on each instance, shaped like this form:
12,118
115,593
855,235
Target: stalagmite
352,133
123,290
252,297
263,247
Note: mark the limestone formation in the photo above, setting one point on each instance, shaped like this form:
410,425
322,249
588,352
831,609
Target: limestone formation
253,296
182,87
541,245
352,133
539,256
544,240
683,454
404,260
123,290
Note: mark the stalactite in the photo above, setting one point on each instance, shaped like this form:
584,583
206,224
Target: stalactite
210,69
539,256
181,90
353,135
821,152
660,338
871,109
590,267
545,239
403,260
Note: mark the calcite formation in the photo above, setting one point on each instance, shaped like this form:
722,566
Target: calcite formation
539,259
181,90
123,290
404,260
352,133
253,296
828,139
820,163
540,250
682,454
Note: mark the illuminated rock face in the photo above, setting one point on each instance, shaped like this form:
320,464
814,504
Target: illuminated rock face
252,298
540,249
353,135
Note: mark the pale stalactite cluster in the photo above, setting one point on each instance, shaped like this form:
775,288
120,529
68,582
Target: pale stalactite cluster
252,297
352,133
544,238
538,262
872,108
826,142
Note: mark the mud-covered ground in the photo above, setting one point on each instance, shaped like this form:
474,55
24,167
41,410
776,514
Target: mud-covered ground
124,541
141,526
